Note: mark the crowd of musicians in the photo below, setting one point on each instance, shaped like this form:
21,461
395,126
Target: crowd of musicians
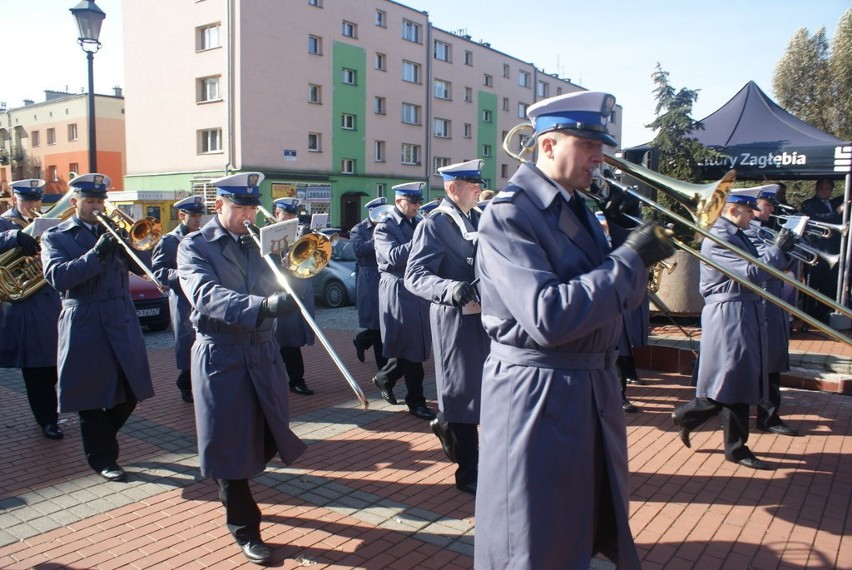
530,311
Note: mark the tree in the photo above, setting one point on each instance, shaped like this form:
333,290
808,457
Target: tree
840,69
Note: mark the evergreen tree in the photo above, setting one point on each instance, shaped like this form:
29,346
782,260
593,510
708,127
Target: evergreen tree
802,82
840,66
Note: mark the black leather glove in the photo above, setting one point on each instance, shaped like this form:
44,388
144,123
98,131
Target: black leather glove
618,205
463,293
106,246
651,241
247,242
27,243
278,305
785,240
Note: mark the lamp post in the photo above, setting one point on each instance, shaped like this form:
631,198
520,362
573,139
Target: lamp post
89,19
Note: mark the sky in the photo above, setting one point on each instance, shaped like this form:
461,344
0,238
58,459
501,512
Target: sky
713,47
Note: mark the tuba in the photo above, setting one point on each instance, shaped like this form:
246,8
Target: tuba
22,276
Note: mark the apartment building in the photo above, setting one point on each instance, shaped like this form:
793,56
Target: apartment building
50,139
335,101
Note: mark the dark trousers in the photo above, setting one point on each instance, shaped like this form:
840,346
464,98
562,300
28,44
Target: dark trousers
184,380
41,393
294,363
824,279
626,369
734,423
372,338
242,515
99,428
465,438
767,409
395,369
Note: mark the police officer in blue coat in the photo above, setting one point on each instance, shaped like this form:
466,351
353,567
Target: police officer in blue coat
238,378
28,335
553,439
427,208
367,284
89,268
440,270
404,316
291,331
734,332
164,267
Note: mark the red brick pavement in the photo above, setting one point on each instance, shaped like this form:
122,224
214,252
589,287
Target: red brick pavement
375,491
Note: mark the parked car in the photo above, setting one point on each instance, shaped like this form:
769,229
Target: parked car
152,307
334,286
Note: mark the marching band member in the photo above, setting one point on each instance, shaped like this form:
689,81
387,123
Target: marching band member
553,438
28,335
733,331
404,316
85,263
367,286
440,271
164,266
238,378
291,331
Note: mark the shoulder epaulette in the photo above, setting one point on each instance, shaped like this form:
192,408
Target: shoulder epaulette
504,196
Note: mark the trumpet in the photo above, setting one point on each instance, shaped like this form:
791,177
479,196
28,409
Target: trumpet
803,252
142,235
815,228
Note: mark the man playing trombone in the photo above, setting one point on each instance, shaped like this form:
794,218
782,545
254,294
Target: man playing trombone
238,378
85,262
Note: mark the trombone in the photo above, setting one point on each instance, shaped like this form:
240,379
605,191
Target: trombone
803,252
142,235
305,242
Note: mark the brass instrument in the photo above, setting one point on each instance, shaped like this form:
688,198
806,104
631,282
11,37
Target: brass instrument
381,213
815,228
142,235
801,251
309,254
304,248
656,274
22,276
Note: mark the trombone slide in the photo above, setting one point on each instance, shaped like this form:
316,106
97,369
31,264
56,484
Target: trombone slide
107,223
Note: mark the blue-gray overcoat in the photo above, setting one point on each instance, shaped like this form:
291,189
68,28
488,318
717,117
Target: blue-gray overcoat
367,284
552,426
164,267
238,379
733,321
440,259
28,335
99,332
404,316
293,330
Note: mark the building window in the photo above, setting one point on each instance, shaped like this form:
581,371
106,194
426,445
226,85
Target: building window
506,71
411,72
207,37
468,57
411,31
314,142
207,89
411,154
542,90
558,90
439,162
487,116
349,29
522,110
51,136
523,78
379,151
317,3
209,141
52,174
74,168
442,51
410,114
468,94
314,93
380,105
442,89
442,128
347,122
468,129
504,170
381,62
347,166
35,138
349,76
489,81
505,103
72,132
315,45
380,190
381,19
486,150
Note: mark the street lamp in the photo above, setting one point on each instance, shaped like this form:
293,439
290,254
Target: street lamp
89,20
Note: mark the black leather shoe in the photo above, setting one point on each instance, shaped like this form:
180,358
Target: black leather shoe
359,352
301,389
387,393
422,412
186,396
780,429
683,433
628,406
469,488
113,473
754,463
257,552
52,431
448,442
636,381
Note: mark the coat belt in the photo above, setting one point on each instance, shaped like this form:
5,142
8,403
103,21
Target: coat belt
244,338
739,296
553,359
86,298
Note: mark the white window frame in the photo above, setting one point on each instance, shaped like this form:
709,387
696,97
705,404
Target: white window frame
522,110
442,51
411,31
210,141
314,44
488,80
410,71
442,89
379,151
381,18
349,29
348,122
410,154
523,78
314,94
468,94
208,89
72,131
348,76
486,150
380,105
314,142
51,136
441,128
208,37
487,116
468,130
468,57
347,166
35,138
381,61
439,162
409,109
542,90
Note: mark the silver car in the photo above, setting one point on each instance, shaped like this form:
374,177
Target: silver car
334,286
